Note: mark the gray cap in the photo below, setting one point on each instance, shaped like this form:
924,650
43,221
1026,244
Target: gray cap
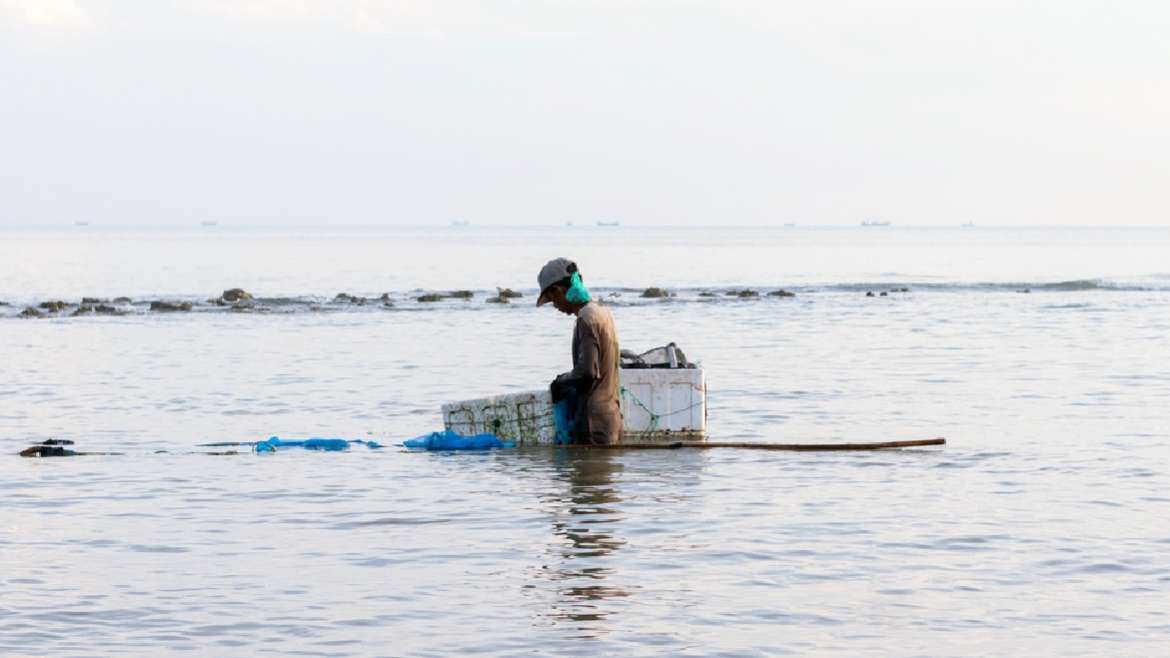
555,270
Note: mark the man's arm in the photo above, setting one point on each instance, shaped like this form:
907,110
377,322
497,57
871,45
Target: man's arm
587,369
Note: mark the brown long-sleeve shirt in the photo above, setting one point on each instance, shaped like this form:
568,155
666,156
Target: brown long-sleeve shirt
596,359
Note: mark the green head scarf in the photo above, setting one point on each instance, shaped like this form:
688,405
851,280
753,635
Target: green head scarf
576,294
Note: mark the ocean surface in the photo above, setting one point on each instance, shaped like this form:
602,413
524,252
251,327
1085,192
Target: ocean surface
1042,528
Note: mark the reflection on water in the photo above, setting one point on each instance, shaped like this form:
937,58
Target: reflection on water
585,519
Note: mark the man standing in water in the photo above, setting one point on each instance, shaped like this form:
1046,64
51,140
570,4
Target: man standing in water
597,417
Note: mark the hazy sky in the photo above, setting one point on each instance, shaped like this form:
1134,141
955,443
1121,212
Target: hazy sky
545,111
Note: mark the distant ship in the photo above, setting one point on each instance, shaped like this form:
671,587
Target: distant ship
968,225
209,222
601,223
875,222
789,224
80,223
460,222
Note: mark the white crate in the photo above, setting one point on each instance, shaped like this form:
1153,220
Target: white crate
664,404
658,405
525,418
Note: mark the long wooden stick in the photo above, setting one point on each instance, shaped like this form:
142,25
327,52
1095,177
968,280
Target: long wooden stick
765,446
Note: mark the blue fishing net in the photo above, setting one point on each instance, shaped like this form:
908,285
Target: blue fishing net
315,443
449,440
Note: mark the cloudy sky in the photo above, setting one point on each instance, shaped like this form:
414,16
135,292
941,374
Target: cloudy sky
544,111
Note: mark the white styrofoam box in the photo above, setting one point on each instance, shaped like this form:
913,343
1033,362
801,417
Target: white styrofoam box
525,418
658,404
664,403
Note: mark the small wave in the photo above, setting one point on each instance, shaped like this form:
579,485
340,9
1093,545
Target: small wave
1079,284
1141,284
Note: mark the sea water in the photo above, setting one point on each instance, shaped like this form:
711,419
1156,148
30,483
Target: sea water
1041,528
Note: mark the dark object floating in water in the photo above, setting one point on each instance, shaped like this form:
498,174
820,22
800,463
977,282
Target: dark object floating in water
1025,291
655,293
170,307
100,309
781,293
55,448
746,293
93,300
53,306
429,297
884,293
869,293
47,451
30,312
461,294
707,293
123,300
504,296
235,295
704,445
346,298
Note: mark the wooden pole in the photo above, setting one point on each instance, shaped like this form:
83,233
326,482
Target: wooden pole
704,445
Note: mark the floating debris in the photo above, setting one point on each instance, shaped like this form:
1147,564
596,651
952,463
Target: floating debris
781,293
429,297
56,448
655,293
746,293
235,295
99,309
30,312
170,307
346,298
508,293
54,306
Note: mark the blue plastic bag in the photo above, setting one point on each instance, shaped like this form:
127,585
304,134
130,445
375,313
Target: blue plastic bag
563,418
449,440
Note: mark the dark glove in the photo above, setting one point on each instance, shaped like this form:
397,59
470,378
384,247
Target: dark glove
561,388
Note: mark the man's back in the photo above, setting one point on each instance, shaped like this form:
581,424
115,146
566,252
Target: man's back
596,356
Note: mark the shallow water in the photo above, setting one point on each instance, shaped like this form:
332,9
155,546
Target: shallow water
1040,529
